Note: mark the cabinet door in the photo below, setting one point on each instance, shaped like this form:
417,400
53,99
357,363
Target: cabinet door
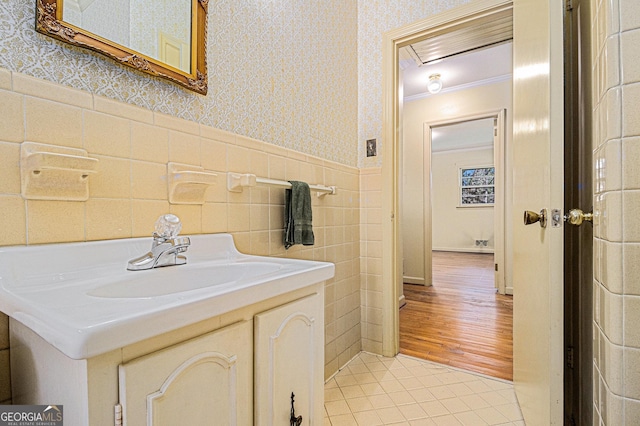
289,357
203,381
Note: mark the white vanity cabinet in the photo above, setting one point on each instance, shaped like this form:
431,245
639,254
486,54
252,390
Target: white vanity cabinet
206,380
289,358
239,368
217,378
221,340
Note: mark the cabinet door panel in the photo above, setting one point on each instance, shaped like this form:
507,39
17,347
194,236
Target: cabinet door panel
289,357
203,381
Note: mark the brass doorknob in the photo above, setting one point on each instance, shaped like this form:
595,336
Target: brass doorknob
576,217
533,217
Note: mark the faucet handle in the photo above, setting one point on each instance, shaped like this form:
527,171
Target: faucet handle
168,226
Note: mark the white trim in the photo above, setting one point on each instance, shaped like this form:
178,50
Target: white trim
474,206
478,83
427,205
480,250
488,145
499,206
402,301
412,280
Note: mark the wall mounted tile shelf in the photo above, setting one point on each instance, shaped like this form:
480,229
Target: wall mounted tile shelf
237,181
49,172
188,184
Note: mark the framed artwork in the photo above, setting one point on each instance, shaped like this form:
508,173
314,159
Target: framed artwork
477,186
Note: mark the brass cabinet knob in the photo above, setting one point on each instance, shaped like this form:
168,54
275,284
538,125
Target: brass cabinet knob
533,217
576,217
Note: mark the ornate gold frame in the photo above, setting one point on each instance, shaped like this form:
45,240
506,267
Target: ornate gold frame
49,22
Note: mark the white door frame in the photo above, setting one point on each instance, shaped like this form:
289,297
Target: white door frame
499,223
391,172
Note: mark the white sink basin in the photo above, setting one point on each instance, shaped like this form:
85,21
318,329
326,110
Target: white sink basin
171,280
81,299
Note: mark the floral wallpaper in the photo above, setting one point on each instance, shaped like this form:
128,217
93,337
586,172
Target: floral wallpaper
283,71
374,19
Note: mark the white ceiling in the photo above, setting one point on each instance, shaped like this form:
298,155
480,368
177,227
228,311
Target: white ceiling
459,72
476,67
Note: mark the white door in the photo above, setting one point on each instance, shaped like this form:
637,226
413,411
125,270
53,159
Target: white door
538,184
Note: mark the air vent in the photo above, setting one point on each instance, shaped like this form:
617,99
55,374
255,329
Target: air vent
472,35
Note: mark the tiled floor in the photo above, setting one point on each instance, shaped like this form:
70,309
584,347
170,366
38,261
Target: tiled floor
373,390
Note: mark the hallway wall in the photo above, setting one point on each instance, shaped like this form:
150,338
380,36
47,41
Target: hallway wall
456,228
616,134
434,109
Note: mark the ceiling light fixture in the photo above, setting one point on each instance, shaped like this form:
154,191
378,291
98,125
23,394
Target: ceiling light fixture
435,84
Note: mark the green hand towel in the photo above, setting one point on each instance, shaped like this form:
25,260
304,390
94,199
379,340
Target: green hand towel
298,217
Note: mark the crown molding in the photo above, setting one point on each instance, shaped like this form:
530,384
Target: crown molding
485,82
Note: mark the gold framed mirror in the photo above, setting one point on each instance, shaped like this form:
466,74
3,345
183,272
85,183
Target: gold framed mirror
171,46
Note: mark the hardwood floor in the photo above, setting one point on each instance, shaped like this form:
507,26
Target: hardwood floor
461,320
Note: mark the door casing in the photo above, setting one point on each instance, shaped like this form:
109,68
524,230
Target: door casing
499,224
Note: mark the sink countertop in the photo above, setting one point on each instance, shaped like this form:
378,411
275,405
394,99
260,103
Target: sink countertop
52,290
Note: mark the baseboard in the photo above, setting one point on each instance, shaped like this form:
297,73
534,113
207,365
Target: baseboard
402,301
465,250
413,280
509,291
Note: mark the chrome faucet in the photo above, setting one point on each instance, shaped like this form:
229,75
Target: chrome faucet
166,246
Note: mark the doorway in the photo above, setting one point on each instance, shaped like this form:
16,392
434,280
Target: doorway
454,195
453,157
537,171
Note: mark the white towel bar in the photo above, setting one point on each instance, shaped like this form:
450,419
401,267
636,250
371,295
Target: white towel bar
237,181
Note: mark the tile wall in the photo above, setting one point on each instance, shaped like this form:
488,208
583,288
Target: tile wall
371,258
616,95
133,146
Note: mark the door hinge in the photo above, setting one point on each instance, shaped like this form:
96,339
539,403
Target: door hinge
496,267
570,358
118,415
569,5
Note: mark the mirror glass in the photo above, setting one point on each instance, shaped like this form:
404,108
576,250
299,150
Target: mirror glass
165,38
161,30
